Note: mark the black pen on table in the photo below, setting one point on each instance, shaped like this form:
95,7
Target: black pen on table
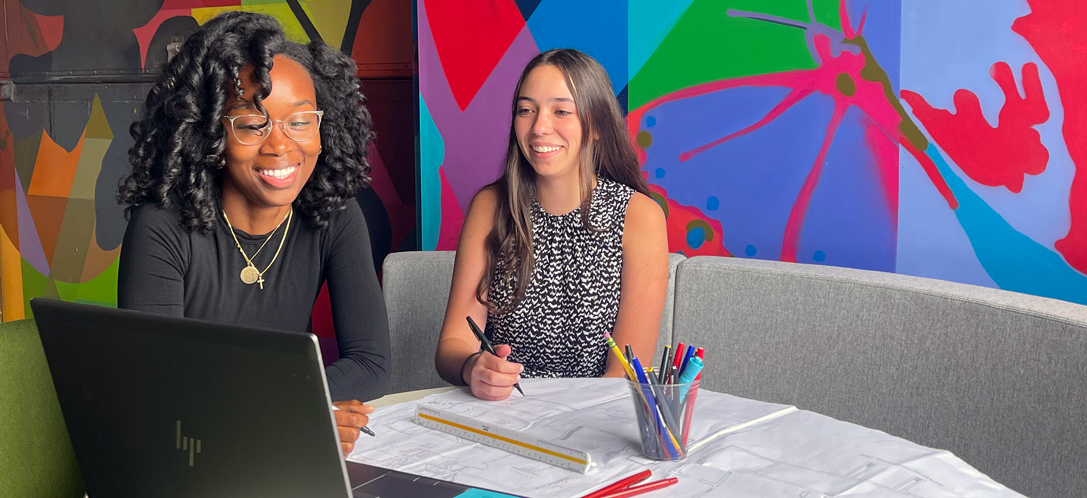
487,346
364,429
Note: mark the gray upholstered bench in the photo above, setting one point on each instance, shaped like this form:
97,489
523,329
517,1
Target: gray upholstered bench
995,377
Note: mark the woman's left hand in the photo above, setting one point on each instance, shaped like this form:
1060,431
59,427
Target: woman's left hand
350,416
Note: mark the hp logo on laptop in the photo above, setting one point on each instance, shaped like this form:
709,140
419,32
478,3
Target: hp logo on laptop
190,444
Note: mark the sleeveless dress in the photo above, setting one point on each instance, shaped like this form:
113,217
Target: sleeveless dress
573,298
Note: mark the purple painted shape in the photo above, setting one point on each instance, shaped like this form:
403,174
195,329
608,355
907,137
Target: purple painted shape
30,246
476,139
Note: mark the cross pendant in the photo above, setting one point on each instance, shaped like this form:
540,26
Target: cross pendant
260,280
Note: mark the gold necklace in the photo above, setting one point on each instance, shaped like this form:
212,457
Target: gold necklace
250,274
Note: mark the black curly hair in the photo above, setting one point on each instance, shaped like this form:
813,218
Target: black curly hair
178,156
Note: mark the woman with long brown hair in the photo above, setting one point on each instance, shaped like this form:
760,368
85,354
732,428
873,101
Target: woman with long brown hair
565,246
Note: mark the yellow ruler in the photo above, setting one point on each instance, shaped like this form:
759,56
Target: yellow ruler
505,439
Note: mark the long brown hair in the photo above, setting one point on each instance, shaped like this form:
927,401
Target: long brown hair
606,151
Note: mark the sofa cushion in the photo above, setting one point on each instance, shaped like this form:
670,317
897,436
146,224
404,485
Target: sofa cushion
997,378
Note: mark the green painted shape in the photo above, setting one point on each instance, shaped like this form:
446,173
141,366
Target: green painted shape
67,291
707,45
100,290
34,285
36,455
51,289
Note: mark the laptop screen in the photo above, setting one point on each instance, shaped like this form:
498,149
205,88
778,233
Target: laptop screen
166,406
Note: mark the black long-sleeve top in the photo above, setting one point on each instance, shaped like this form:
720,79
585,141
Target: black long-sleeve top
168,270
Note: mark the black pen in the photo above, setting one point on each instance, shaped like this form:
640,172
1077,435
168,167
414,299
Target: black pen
364,429
487,346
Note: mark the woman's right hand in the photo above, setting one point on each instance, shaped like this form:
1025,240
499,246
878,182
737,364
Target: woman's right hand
492,377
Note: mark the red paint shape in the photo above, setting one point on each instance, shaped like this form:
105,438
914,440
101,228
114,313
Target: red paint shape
471,38
381,37
679,216
9,214
1055,31
52,30
885,152
22,34
401,216
452,217
145,33
1000,156
799,212
870,97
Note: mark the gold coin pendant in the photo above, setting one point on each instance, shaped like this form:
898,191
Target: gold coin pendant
250,275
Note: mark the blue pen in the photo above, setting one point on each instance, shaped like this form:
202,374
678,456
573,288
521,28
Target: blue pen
652,402
686,359
689,375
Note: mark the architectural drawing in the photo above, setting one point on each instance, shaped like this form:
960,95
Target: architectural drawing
785,452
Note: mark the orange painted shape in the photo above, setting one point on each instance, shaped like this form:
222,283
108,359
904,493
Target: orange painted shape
98,259
11,280
48,214
55,169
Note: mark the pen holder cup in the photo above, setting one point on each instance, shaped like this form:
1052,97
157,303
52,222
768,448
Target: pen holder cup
664,417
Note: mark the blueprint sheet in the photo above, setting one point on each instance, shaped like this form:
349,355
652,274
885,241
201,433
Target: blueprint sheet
741,448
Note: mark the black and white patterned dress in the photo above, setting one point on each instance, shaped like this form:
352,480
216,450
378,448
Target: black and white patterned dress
558,329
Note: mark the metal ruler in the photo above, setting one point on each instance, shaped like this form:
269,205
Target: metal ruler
505,439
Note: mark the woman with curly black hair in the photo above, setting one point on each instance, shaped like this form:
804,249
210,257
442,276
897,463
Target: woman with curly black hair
243,130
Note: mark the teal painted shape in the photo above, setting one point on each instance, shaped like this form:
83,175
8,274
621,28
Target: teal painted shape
481,493
1013,260
431,155
648,22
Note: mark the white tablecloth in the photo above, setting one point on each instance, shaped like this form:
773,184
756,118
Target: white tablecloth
755,449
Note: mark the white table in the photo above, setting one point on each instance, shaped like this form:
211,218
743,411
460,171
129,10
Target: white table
765,450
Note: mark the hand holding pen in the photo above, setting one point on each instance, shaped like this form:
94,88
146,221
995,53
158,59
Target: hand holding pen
351,419
490,376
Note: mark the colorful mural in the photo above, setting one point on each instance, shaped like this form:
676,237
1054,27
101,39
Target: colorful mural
81,71
923,137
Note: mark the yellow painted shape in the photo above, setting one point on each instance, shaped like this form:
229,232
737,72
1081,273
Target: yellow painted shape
282,13
54,168
11,280
330,18
88,168
97,125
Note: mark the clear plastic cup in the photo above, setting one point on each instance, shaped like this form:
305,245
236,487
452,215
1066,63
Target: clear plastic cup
664,417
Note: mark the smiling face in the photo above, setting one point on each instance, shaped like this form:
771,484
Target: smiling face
272,173
546,123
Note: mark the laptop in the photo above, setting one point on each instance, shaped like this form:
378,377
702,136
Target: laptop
165,406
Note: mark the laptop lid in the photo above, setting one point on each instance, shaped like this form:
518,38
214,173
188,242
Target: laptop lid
164,406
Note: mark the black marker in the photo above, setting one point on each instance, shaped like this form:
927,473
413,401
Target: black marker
487,346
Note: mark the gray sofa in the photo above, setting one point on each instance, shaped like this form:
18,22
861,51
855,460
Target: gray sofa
997,378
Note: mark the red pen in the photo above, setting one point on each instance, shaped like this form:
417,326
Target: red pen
620,484
644,488
699,352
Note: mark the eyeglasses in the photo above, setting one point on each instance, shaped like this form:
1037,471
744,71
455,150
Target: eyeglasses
252,129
